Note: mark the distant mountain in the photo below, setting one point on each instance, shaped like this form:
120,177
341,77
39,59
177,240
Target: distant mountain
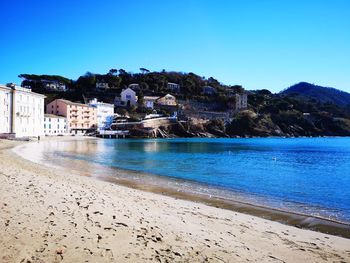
309,91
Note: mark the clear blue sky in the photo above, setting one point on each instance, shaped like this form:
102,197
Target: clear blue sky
258,44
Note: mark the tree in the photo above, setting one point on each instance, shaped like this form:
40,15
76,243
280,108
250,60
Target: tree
122,72
144,70
140,99
144,86
113,71
86,82
237,88
114,81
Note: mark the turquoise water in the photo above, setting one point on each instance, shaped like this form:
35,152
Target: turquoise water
309,175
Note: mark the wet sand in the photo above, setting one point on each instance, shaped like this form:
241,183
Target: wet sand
51,215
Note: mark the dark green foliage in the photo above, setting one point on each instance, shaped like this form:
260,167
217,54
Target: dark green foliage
302,110
33,77
281,115
309,91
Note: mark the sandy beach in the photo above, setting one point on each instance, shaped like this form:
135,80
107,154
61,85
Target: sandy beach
51,215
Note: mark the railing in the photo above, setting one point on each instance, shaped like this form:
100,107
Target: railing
119,132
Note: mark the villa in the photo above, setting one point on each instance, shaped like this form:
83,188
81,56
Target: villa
173,87
167,100
127,98
54,85
102,85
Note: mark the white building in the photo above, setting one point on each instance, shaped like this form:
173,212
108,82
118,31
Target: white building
55,125
102,85
128,97
149,101
23,111
54,85
173,87
5,109
105,113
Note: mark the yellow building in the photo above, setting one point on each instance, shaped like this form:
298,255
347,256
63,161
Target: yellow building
167,100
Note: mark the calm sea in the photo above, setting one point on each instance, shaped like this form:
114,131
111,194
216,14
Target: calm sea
308,175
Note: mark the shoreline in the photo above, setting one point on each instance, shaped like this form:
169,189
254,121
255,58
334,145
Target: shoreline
291,218
71,218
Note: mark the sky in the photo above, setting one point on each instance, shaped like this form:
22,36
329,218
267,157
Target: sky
261,44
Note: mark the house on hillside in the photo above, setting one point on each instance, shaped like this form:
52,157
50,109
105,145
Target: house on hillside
101,85
149,101
208,90
173,87
128,98
54,85
167,100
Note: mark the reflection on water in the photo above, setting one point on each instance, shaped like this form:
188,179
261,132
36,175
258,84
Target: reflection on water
307,175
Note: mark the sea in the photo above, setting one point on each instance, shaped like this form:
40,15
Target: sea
303,175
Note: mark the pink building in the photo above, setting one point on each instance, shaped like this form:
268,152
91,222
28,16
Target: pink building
80,117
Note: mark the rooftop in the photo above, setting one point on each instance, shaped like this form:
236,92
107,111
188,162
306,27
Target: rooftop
151,97
53,116
12,86
73,103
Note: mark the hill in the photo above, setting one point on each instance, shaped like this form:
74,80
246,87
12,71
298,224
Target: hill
301,110
309,91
